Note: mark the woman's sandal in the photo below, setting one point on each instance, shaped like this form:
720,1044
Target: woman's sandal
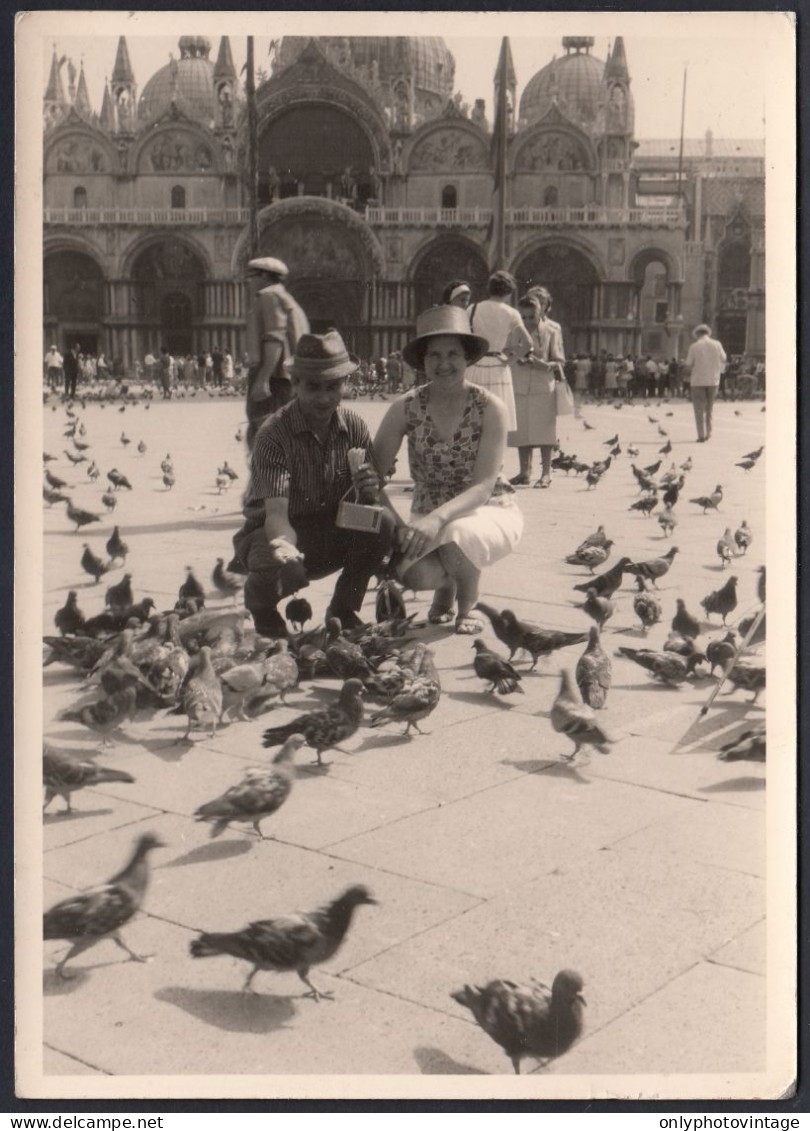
544,481
468,626
438,616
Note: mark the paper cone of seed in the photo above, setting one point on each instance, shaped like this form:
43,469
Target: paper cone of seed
356,457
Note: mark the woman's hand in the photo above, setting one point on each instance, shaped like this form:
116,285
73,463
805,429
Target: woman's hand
366,479
416,538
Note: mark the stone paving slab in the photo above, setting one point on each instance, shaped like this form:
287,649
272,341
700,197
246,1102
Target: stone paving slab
746,951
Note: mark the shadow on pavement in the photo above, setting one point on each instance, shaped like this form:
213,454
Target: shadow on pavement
233,1011
550,767
205,853
62,816
434,1062
748,784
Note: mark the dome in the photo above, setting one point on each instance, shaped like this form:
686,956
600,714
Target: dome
426,59
574,81
188,81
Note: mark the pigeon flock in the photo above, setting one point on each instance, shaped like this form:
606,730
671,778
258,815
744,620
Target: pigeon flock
185,665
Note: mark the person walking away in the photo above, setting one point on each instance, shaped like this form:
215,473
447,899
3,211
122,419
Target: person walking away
705,362
651,377
216,361
71,370
165,366
394,363
500,324
275,323
463,516
53,367
534,378
299,476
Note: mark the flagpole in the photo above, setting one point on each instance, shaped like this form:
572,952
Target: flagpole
499,139
680,147
252,145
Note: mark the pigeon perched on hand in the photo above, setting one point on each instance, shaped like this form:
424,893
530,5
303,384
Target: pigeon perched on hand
295,943
69,619
569,715
528,1020
722,601
594,672
324,729
100,912
498,672
258,795
64,773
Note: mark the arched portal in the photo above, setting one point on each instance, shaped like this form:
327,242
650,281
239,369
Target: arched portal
315,150
572,280
733,282
448,258
168,293
74,300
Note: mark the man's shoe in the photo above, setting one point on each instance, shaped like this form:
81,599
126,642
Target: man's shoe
519,481
271,624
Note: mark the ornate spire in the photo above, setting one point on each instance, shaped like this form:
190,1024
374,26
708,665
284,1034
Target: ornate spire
122,71
224,68
55,90
616,65
82,99
107,118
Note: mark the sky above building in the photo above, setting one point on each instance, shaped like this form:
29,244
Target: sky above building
725,55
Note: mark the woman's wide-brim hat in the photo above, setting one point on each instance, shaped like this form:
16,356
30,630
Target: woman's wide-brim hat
269,265
702,328
438,321
321,355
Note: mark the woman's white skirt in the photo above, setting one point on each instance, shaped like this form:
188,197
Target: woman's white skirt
496,377
484,536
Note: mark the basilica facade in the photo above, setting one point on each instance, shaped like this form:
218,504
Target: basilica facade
375,187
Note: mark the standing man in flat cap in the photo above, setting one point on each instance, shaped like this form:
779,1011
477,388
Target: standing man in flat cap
705,362
275,322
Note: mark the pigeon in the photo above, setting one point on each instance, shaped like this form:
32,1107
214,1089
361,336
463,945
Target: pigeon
633,451
105,715
79,445
672,492
588,427
652,468
390,603
746,464
590,556
662,432
298,611
191,587
743,536
100,912
664,666
227,583
667,448
593,477
687,464
725,547
64,773
517,634
600,609
326,728
528,1020
120,596
722,601
683,621
598,538
258,795
201,695
166,465
345,659
69,619
46,458
238,436
646,607
166,669
79,516
746,747
645,505
594,672
109,500
643,479
118,480
613,440
569,715
168,480
710,502
720,653
605,584
116,548
667,521
125,440
655,568
50,496
93,472
295,943
493,670
222,483
229,471
415,700
680,645
755,454
74,459
759,635
748,677
92,564
54,480
141,447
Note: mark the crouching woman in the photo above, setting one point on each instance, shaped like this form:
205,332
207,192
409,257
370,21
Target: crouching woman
464,516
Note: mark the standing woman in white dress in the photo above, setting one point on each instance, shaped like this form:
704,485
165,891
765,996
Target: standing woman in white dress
535,378
497,320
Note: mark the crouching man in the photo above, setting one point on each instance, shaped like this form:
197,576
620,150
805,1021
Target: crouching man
299,475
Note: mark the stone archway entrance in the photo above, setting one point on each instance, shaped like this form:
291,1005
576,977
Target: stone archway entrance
445,259
73,301
167,291
572,280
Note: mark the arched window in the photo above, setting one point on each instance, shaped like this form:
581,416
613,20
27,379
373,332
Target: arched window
449,197
550,197
80,197
178,196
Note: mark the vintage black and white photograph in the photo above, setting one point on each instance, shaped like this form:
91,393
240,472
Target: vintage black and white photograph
416,416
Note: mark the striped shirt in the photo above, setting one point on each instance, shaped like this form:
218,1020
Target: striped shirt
290,461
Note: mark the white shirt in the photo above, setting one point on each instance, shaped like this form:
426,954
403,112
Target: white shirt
53,359
706,361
